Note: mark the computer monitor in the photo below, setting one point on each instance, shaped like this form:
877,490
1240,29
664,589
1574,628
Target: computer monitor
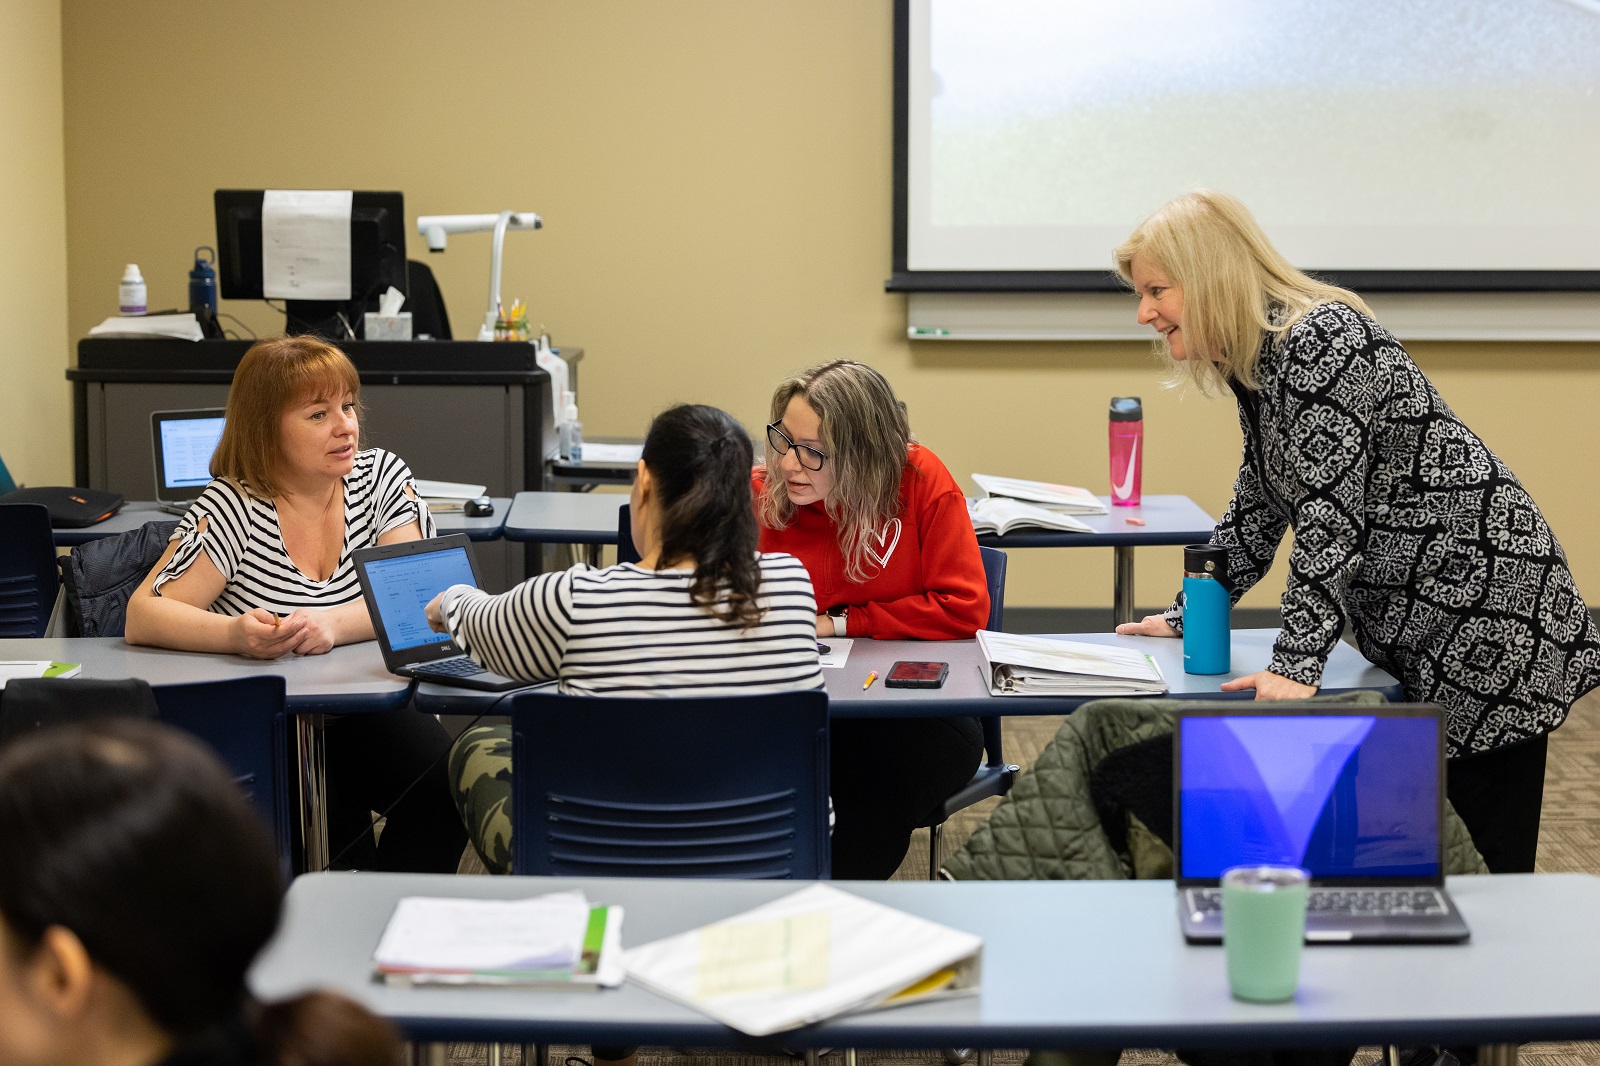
377,259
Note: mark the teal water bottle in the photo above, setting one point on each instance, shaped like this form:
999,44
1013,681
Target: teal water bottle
1207,604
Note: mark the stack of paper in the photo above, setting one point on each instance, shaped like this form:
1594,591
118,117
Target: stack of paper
182,327
558,940
1042,666
814,954
15,668
997,514
1067,499
447,495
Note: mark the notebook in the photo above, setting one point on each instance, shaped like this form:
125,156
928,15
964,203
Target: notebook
183,442
1354,795
398,581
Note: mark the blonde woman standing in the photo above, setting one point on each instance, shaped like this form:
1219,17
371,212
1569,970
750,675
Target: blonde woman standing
882,528
1407,527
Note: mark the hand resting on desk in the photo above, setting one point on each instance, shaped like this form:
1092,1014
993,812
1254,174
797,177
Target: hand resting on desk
1151,625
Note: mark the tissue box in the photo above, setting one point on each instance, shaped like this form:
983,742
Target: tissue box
388,327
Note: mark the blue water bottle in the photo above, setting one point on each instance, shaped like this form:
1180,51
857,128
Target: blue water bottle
203,283
1206,605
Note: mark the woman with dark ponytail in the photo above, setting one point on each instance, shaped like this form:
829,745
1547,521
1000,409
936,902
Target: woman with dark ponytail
701,614
136,886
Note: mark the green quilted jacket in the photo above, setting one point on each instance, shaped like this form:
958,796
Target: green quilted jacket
1047,828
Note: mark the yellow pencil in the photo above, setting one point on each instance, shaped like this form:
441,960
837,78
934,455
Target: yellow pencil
275,619
868,682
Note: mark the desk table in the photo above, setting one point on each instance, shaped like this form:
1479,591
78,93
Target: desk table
350,678
966,693
586,473
1168,520
1065,964
583,518
136,513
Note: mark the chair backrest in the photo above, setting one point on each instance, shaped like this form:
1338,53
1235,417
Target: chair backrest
28,578
425,302
245,720
994,575
626,552
731,787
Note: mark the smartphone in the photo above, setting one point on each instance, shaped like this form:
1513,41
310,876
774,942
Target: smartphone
916,675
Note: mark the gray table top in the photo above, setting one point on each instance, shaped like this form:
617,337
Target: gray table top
965,692
1065,964
349,678
136,513
1167,520
564,517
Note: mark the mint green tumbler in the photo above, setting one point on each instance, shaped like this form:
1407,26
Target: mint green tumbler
1263,928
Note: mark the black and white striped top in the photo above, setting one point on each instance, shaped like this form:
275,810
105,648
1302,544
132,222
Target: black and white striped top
627,631
243,540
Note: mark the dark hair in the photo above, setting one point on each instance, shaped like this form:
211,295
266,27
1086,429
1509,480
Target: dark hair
700,460
137,840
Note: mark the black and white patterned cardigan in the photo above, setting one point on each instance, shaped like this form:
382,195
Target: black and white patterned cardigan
1408,527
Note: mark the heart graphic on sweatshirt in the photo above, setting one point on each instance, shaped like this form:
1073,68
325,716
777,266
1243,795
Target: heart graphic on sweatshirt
887,540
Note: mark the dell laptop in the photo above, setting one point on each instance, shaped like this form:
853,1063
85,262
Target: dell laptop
1352,794
398,581
183,443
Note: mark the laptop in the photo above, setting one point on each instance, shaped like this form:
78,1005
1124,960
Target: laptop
398,581
183,443
1354,795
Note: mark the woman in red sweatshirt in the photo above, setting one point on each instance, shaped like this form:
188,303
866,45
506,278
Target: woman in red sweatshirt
883,530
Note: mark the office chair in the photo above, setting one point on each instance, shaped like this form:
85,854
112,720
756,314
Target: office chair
426,303
995,775
243,720
626,552
28,578
716,787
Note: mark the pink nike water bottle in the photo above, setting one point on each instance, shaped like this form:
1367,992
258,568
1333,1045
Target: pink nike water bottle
1127,446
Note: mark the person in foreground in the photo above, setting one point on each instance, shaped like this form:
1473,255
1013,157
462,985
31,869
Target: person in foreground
701,613
883,530
136,886
260,566
1406,526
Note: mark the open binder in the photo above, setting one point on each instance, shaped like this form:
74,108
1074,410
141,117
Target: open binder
814,954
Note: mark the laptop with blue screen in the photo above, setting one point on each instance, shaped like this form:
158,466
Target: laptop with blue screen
183,442
1354,795
398,581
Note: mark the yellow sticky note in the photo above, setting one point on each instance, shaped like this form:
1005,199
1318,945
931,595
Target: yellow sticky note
755,958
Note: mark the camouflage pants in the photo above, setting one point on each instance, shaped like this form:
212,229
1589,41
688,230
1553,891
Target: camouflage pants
480,779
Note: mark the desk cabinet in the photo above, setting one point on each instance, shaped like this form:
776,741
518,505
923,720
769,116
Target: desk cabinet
453,410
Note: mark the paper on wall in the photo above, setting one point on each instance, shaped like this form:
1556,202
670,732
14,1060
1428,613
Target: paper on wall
305,244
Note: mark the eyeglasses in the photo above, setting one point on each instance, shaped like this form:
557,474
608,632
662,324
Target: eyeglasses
779,442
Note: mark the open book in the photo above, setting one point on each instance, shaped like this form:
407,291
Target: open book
1068,499
558,940
996,514
807,956
1018,665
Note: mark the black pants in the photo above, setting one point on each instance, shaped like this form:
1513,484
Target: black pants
888,774
373,760
1499,794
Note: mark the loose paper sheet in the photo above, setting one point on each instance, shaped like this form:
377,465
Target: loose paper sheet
480,934
838,651
305,244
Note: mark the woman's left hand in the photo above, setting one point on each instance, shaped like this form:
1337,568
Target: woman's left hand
825,625
1271,686
317,635
435,613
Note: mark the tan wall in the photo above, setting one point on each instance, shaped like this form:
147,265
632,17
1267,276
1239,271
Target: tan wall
35,430
716,181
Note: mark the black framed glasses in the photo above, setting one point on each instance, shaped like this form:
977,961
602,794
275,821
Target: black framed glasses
779,442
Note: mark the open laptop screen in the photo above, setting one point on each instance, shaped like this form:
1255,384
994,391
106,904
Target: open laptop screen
184,443
402,585
1344,796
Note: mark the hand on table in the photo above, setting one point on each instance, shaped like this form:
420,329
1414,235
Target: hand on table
1270,686
825,626
1152,625
260,634
317,635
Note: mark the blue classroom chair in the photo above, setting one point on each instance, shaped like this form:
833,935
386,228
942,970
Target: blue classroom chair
995,776
28,575
732,787
626,552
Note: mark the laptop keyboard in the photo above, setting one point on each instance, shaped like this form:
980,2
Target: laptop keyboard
1352,902
460,666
